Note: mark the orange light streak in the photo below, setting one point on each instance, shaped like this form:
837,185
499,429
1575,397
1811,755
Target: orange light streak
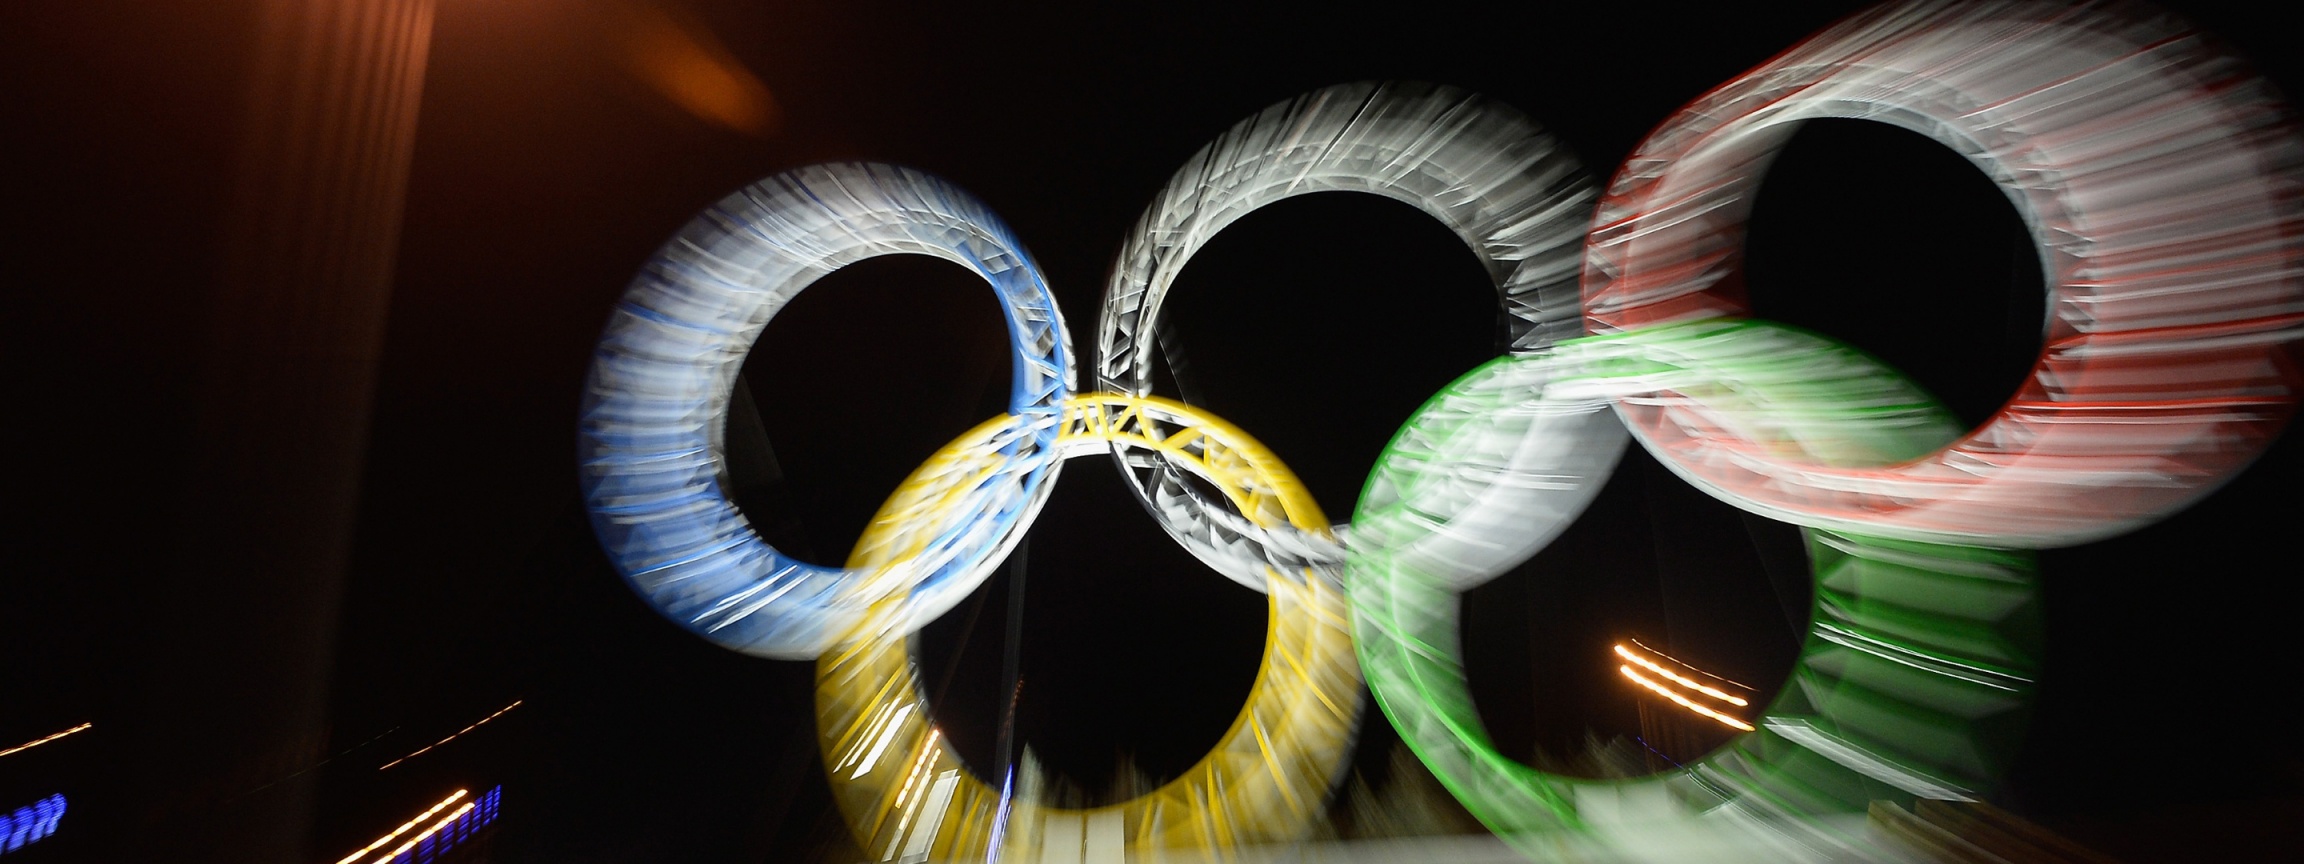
404,826
1684,703
459,733
39,741
444,822
1683,681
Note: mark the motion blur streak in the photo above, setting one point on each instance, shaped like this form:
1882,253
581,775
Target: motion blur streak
1651,649
43,740
1861,761
1683,701
1679,679
441,836
450,819
30,823
689,66
459,734
404,828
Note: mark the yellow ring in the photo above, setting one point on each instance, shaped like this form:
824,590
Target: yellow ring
906,794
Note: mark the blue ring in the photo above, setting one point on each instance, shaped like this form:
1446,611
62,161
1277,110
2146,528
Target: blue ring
648,442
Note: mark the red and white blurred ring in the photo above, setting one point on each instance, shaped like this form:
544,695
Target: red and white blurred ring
2159,178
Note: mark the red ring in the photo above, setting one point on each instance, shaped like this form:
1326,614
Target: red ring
2159,177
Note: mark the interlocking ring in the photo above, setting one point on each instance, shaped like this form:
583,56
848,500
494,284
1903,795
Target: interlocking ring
1919,658
1490,174
657,398
2159,178
906,793
1919,655
660,385
2157,175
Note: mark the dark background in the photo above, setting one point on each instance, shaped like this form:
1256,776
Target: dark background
550,163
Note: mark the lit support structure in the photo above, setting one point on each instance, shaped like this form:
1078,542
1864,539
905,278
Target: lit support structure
908,797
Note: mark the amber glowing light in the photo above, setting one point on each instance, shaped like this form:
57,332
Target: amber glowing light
1679,679
1684,701
412,823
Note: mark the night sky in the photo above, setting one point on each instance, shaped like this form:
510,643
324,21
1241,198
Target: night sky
548,167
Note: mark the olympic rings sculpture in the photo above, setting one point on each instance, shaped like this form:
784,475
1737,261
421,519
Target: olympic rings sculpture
2157,175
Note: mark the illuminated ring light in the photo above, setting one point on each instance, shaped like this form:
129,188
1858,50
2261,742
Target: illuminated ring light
905,792
1489,173
655,405
1913,679
2158,177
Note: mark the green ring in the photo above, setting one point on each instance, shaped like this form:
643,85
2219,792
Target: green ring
1914,679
